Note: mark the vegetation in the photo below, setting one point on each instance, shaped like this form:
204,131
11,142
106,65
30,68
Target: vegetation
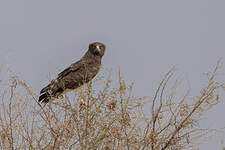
108,119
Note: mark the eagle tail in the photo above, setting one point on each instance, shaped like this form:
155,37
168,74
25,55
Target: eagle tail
44,98
45,89
54,88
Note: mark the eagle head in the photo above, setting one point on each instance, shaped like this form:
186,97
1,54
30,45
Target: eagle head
97,49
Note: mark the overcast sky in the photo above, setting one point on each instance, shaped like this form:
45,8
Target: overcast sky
143,37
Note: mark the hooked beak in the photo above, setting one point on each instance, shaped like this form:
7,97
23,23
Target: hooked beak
97,49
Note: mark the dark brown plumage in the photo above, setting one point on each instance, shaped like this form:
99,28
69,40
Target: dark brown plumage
76,74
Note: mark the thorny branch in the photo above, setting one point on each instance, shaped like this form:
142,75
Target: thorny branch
111,118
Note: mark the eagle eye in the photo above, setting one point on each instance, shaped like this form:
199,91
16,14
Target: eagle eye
101,47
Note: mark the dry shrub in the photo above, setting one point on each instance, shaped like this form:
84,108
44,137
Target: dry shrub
109,119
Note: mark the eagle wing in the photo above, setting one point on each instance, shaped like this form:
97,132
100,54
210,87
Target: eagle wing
72,68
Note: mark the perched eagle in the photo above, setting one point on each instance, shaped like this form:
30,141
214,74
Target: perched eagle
76,74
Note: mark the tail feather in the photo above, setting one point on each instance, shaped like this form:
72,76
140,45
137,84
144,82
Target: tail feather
44,98
52,91
45,89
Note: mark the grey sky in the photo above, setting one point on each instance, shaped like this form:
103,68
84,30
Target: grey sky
144,38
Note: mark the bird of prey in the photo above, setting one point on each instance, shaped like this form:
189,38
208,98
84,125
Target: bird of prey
76,74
